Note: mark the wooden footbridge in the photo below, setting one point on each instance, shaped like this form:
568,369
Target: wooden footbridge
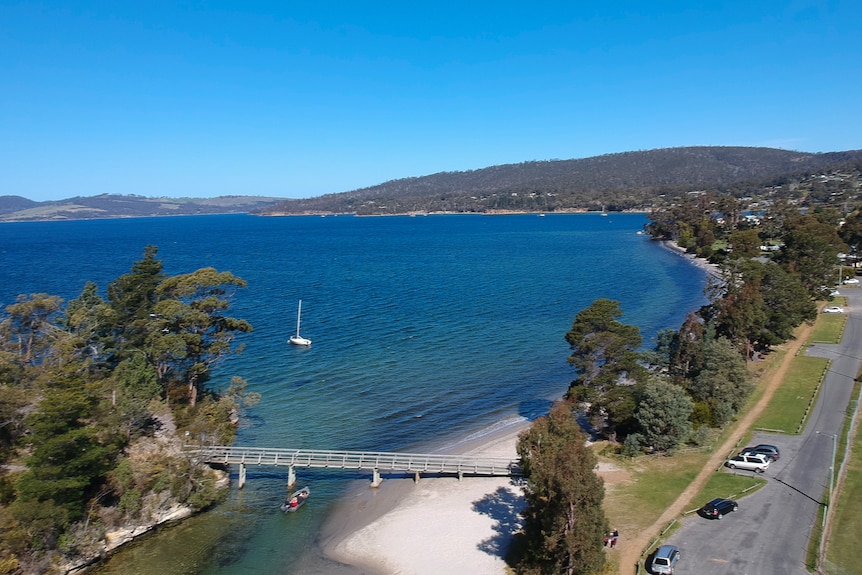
374,461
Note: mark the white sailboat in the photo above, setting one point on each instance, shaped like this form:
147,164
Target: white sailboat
298,339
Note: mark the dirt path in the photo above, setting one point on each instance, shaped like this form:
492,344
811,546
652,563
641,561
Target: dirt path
630,554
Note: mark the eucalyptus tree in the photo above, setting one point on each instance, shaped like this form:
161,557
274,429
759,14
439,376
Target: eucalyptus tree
686,349
786,302
91,321
29,326
678,221
736,309
564,523
731,209
758,305
189,331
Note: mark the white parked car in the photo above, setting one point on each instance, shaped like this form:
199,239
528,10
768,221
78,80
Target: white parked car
850,281
833,309
758,463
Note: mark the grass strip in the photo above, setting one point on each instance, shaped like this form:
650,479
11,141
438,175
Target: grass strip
727,486
842,554
791,402
829,327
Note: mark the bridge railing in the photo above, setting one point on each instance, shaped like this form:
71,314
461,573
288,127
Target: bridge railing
374,460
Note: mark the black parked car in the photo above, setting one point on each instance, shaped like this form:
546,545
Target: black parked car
770,451
718,508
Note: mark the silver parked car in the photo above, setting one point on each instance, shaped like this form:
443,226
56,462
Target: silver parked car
664,560
754,462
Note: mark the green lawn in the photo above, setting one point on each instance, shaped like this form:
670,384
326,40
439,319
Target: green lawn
653,484
830,326
787,409
728,486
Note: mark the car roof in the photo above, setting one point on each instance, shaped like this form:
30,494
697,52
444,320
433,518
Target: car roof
666,550
765,446
716,501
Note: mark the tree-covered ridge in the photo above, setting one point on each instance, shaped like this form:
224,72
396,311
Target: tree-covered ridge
91,396
627,181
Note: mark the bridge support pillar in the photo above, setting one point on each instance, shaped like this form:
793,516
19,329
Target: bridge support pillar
291,477
241,475
375,478
460,475
416,478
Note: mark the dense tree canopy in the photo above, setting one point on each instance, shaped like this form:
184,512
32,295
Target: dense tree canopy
810,251
723,382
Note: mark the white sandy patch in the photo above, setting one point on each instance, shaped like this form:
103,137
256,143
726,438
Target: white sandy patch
444,525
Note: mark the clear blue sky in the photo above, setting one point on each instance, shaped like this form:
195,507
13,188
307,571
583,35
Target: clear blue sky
302,98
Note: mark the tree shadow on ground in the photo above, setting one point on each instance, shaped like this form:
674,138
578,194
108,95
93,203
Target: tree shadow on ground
505,508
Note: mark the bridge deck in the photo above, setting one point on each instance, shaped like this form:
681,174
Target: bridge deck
370,460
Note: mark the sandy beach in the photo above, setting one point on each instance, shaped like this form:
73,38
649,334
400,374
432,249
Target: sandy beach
438,525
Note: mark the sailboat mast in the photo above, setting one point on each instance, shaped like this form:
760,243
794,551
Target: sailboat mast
298,315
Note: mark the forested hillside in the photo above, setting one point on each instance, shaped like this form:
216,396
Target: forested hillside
625,181
636,181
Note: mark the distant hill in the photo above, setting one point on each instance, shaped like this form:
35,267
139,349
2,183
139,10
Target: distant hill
16,208
624,181
615,182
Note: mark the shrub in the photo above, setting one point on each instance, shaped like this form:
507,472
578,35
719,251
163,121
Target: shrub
633,445
130,503
700,436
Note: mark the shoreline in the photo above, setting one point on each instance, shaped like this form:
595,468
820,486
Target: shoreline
698,262
439,524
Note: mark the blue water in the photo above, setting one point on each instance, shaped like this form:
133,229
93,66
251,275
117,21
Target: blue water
424,329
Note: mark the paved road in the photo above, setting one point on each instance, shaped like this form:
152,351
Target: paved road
769,534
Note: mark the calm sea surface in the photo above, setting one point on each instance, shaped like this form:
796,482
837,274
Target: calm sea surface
425,330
